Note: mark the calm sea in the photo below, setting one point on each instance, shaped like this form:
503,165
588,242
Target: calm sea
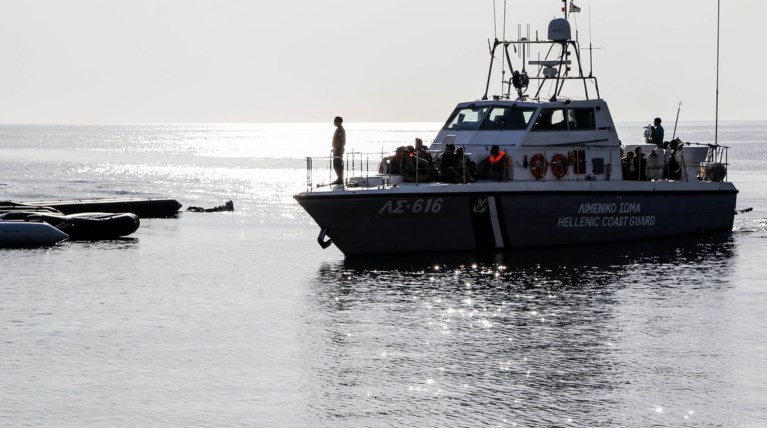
240,319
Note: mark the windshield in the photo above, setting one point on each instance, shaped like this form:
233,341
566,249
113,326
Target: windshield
509,118
560,119
466,118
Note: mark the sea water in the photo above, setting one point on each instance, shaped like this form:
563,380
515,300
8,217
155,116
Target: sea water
241,319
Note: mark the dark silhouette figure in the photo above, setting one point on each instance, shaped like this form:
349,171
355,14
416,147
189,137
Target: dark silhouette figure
339,143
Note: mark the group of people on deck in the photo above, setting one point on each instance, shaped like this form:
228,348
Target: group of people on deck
661,163
452,165
416,163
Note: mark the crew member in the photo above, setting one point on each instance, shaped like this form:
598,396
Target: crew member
339,142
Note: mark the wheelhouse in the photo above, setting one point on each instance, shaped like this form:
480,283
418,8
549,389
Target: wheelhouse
516,117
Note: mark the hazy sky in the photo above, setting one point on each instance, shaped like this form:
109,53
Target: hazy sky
101,61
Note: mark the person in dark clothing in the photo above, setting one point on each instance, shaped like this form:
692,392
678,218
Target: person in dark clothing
450,166
394,161
466,165
339,143
414,168
627,166
640,165
674,167
657,133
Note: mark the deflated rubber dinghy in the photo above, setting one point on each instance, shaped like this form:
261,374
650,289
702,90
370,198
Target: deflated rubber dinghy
84,226
31,232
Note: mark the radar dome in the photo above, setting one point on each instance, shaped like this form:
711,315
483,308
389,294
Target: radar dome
559,30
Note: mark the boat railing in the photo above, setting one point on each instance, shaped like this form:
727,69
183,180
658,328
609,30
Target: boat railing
360,170
371,170
700,161
715,165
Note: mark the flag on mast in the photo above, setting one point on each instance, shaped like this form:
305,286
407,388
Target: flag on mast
574,8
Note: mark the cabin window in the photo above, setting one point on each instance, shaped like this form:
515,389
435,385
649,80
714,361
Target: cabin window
551,119
511,118
466,118
581,119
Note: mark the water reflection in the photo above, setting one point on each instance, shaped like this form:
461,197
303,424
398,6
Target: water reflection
124,243
683,249
533,337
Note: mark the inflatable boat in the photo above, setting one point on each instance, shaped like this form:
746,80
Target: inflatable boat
83,226
31,232
144,208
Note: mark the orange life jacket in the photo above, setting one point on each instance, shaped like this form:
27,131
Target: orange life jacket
497,159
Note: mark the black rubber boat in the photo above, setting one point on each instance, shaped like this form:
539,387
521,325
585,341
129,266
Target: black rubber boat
145,208
83,226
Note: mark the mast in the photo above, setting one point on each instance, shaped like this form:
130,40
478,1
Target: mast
679,107
556,71
716,118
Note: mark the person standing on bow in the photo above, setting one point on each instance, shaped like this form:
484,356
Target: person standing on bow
657,133
339,142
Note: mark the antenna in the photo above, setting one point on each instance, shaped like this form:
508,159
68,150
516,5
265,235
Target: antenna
679,107
505,51
504,19
716,119
495,22
591,50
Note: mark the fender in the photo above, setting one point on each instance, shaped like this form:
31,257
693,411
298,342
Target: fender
321,238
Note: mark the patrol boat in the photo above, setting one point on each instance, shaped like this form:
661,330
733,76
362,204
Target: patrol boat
563,183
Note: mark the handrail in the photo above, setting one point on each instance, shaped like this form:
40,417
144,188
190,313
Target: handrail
363,169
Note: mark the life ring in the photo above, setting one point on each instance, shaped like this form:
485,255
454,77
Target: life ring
559,165
538,166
